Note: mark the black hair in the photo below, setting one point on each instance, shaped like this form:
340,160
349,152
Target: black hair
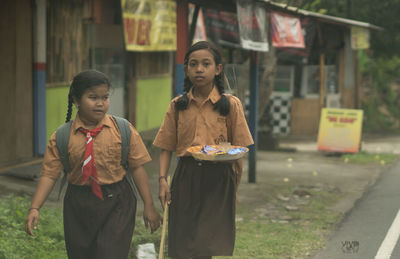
81,82
222,105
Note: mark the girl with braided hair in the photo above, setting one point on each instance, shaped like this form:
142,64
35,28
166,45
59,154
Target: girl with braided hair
201,221
99,205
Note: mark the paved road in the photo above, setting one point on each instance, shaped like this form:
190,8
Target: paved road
363,231
382,144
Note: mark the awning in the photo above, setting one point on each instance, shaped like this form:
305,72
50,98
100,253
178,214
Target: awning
320,17
230,6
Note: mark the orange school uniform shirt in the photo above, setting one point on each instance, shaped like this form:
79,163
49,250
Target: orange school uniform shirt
106,152
200,124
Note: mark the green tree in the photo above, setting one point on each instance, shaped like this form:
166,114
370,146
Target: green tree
380,65
384,13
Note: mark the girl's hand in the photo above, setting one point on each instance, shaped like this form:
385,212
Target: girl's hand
151,217
32,217
164,193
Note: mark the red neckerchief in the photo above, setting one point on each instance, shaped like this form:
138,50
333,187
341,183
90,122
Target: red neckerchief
89,169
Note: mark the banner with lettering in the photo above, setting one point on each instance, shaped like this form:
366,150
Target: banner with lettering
222,28
340,130
286,31
252,25
149,25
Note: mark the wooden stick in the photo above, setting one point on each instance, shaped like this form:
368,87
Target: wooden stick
164,225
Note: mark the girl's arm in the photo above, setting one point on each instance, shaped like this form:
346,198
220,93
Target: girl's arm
165,161
43,189
150,216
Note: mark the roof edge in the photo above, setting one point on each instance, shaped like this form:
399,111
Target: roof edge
321,17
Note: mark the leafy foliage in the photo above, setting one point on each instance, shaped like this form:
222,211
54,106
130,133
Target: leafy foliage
381,103
380,65
381,13
15,243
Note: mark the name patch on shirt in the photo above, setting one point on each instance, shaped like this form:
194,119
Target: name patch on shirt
220,139
221,119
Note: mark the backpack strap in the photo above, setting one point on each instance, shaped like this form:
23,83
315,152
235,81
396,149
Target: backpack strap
62,140
125,131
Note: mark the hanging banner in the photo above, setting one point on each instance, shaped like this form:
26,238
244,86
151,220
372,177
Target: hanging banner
286,31
359,38
222,28
149,25
252,25
299,55
200,31
340,130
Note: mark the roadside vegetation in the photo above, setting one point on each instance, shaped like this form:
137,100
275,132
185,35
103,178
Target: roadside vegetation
16,244
379,65
300,232
364,158
292,221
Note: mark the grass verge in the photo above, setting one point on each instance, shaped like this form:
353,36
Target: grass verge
257,236
364,158
16,244
302,232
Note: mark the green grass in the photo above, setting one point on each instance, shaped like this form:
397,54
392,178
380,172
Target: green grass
364,158
15,243
256,236
48,242
259,237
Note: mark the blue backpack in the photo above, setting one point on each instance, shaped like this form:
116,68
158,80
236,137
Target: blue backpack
62,140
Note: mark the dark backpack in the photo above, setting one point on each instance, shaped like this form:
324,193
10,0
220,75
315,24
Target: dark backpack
62,140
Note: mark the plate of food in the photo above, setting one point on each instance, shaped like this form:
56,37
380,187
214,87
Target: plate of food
223,152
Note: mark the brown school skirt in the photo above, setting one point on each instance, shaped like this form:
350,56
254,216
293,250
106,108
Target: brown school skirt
97,228
202,211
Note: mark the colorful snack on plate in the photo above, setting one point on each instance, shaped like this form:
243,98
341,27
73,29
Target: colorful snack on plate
220,152
209,150
237,150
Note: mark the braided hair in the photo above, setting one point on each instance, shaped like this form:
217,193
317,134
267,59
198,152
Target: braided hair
222,105
81,82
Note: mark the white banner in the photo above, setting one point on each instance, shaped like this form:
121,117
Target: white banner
252,25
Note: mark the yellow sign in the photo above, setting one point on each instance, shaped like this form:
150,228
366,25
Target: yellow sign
149,25
340,130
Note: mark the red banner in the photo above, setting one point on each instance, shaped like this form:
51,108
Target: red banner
286,31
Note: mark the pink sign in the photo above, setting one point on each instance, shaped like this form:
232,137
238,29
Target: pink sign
286,31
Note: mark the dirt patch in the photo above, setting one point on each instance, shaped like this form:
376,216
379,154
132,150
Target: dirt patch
303,172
